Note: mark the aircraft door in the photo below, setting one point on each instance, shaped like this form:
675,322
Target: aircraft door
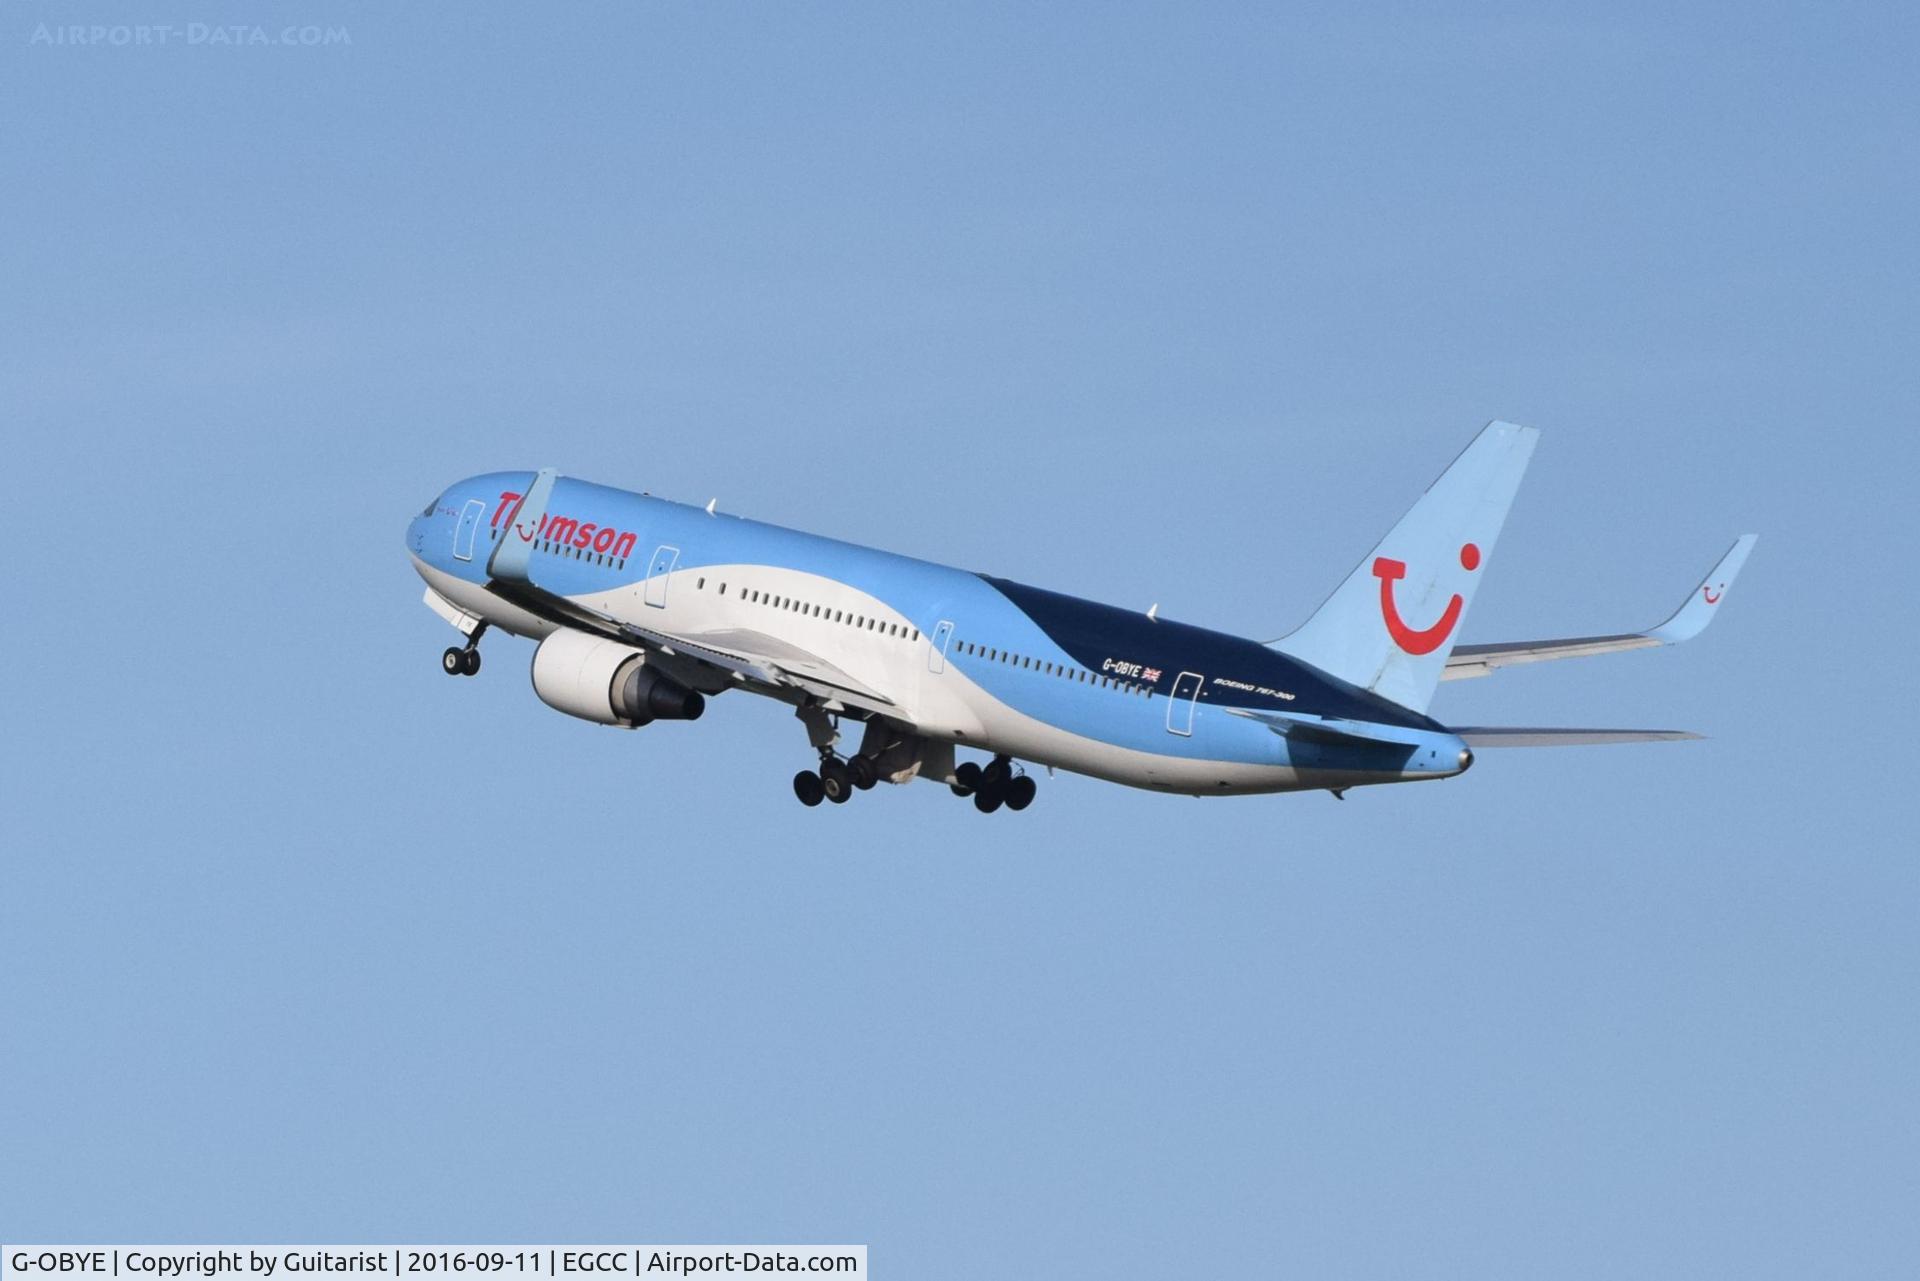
665,557
1182,701
468,527
937,654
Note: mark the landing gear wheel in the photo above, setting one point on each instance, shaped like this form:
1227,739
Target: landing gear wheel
988,799
454,661
966,779
469,662
996,772
806,786
1020,792
835,781
860,770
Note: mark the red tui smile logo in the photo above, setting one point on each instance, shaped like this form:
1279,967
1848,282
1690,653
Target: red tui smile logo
1711,595
1419,640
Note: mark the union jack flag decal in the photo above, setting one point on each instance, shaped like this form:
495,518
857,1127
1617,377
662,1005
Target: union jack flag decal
1150,673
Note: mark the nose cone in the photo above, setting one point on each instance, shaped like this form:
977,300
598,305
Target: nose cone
416,534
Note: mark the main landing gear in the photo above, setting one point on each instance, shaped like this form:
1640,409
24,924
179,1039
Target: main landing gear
994,786
464,660
837,780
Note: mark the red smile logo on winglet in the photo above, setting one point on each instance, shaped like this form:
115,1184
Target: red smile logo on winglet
1419,640
1711,595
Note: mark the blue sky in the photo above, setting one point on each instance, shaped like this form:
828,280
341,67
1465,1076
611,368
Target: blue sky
300,940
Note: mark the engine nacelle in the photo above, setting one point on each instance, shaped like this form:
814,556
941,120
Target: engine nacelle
601,680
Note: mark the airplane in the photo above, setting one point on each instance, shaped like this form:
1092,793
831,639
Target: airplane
644,608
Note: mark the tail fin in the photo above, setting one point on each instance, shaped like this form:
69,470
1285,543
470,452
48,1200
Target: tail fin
1390,626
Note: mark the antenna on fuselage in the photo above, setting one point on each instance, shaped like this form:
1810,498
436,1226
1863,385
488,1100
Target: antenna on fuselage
1153,612
711,504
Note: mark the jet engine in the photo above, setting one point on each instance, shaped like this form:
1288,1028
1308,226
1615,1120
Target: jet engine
601,680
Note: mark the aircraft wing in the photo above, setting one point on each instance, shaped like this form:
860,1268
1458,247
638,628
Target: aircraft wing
706,661
1507,736
1687,622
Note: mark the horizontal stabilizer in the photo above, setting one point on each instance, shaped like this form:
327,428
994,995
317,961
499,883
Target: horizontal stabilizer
1508,736
1328,730
1687,622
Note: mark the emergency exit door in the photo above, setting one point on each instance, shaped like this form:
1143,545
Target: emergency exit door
937,655
1182,702
469,526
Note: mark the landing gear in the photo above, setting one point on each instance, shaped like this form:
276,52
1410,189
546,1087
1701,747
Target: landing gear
464,660
860,770
994,786
835,781
460,662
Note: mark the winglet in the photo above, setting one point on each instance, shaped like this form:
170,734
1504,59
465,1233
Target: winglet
1693,616
513,557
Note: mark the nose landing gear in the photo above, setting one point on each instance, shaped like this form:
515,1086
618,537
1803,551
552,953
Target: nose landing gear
464,660
460,662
